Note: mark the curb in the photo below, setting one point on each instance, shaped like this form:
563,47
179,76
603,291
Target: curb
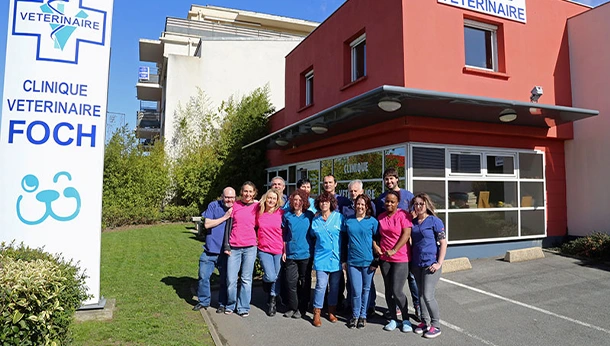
211,327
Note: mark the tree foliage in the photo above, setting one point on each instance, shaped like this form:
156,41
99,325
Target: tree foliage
204,156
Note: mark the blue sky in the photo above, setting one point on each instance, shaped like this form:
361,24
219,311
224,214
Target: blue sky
135,19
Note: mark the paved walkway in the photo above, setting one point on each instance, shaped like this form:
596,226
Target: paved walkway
552,301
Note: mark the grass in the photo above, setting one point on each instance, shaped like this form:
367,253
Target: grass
149,271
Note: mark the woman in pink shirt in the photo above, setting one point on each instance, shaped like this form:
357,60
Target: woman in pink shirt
240,246
395,231
270,243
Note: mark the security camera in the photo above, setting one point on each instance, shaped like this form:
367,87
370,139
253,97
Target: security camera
536,93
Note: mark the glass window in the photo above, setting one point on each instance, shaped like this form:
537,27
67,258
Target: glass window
532,195
292,174
341,189
532,222
480,45
483,225
327,167
434,189
362,166
309,88
283,173
530,166
466,163
497,164
373,188
358,49
428,162
314,176
396,158
482,194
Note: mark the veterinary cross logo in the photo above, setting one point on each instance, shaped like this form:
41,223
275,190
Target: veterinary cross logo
60,27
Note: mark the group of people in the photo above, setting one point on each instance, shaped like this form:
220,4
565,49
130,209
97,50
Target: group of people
399,233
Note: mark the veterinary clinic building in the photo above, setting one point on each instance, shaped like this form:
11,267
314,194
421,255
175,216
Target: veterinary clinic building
470,100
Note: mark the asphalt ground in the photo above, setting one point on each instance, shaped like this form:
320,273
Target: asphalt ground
552,301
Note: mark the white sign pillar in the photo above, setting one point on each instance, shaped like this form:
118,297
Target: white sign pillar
52,128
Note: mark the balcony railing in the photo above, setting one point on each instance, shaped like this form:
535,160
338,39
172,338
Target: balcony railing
207,29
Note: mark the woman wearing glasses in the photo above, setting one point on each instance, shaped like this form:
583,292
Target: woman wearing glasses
428,253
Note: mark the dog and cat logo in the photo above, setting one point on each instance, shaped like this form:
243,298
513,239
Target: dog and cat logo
60,27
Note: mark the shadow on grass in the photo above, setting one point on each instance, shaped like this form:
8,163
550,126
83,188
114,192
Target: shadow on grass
183,287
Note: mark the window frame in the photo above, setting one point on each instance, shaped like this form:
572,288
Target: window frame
493,29
354,57
309,88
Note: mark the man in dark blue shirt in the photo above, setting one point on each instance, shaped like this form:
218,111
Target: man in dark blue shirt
215,216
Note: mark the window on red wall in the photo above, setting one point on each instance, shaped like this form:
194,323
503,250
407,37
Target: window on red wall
358,57
481,45
309,88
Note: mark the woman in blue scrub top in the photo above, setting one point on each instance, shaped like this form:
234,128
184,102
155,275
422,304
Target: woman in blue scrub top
297,253
428,253
326,230
360,230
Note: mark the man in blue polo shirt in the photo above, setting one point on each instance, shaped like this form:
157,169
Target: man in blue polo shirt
215,219
390,179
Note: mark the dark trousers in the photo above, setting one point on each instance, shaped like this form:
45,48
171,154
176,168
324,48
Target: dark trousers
394,278
298,283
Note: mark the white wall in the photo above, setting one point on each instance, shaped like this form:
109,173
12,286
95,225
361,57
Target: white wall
235,68
226,68
588,154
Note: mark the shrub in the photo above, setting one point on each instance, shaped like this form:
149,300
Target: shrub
179,213
39,294
595,246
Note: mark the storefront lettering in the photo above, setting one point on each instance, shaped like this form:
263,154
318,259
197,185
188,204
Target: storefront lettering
356,167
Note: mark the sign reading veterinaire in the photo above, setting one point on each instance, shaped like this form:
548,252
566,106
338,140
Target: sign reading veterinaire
52,128
509,9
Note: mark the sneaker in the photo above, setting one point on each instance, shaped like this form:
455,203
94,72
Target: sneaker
390,326
432,333
228,312
199,306
296,314
420,329
352,323
244,314
361,323
406,327
289,313
220,310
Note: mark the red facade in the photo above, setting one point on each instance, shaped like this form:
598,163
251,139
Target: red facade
420,44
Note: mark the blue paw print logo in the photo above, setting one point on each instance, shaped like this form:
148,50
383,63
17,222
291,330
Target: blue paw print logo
30,184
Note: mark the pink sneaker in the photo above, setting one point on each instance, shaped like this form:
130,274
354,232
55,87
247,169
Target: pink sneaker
420,329
432,333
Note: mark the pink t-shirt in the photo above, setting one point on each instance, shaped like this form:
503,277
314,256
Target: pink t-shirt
244,220
270,232
390,229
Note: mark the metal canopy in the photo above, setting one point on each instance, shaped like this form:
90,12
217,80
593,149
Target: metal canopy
363,110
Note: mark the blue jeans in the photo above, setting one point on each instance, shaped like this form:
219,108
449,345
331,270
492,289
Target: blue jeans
360,282
241,258
271,267
323,279
207,263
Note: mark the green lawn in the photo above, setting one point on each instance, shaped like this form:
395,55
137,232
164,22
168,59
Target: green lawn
149,271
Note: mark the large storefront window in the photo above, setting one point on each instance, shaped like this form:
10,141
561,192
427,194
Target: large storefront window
480,194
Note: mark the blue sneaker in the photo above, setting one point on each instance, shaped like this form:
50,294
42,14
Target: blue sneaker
390,326
432,333
406,327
